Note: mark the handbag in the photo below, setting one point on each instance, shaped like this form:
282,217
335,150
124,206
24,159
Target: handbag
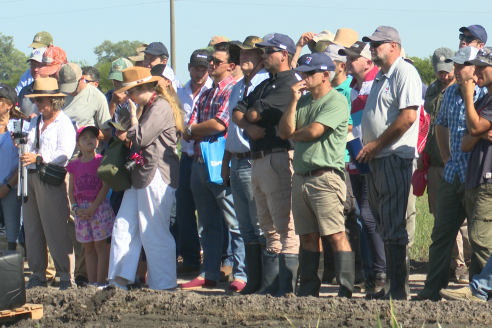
51,174
213,152
112,168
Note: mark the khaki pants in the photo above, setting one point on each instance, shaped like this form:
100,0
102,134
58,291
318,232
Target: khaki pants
45,224
271,177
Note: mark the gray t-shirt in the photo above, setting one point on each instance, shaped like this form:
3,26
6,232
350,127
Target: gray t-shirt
479,168
89,107
400,88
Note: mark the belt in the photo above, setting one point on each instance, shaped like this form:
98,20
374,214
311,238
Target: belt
32,171
263,153
242,155
320,171
198,159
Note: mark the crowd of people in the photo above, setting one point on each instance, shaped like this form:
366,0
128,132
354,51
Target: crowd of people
290,171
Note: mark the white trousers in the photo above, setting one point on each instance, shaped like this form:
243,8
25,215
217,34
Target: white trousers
144,219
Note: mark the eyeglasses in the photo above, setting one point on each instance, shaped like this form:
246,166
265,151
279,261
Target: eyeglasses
217,62
37,99
270,51
310,73
467,38
376,44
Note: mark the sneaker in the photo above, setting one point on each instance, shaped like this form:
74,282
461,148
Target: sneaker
68,284
462,275
184,270
35,282
237,286
199,284
462,294
374,283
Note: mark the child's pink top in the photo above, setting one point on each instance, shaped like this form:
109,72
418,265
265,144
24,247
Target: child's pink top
86,182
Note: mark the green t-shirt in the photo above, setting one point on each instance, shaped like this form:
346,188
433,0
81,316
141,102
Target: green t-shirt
328,150
345,90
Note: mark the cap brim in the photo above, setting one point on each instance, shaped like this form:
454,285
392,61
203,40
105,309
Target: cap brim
136,58
348,53
199,63
266,44
155,53
49,70
39,61
117,126
305,68
37,45
153,79
69,87
464,29
90,128
33,95
476,62
118,76
447,67
373,38
455,60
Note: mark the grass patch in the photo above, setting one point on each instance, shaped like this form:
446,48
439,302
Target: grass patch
423,229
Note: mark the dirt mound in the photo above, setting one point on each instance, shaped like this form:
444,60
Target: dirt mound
89,307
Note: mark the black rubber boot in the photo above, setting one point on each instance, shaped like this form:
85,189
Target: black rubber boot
397,273
11,246
309,279
329,275
287,273
269,283
253,264
345,271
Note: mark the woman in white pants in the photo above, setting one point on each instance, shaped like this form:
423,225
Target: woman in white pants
144,215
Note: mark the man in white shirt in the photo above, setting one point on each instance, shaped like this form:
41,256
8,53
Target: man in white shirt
187,240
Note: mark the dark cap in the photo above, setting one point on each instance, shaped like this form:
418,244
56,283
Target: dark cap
484,58
358,49
157,49
118,126
280,41
200,57
384,33
7,92
477,31
317,61
157,70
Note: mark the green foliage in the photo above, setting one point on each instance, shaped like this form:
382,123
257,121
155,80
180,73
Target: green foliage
423,229
109,51
12,61
424,66
104,83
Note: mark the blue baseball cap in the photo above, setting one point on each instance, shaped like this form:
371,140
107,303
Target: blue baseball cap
280,41
477,31
317,61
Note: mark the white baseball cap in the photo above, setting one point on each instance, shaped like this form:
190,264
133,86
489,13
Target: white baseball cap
37,55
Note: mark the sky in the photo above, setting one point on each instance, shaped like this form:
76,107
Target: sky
78,27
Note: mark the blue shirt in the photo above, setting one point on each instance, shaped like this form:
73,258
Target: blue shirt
452,116
237,139
25,79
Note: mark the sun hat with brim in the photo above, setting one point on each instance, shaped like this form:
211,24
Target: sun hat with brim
45,87
82,129
117,126
135,76
139,53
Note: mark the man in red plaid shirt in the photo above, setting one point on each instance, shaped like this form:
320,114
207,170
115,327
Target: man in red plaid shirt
208,122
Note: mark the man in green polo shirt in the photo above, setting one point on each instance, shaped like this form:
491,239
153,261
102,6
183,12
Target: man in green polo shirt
318,122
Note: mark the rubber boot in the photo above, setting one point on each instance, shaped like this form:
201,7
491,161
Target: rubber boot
287,273
269,283
11,246
329,275
253,264
345,272
309,279
397,273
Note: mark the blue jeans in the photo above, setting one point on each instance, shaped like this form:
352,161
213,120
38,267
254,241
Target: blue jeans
244,202
481,284
186,231
12,215
215,205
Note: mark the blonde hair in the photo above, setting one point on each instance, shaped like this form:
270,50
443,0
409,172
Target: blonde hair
14,113
172,98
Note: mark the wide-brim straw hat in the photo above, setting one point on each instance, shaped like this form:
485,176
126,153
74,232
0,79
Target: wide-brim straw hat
135,76
46,87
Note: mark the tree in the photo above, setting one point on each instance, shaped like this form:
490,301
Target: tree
12,61
425,69
109,51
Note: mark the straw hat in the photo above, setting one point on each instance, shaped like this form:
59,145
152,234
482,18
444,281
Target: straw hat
346,37
135,76
46,87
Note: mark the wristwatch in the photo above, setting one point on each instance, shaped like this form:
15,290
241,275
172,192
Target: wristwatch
39,159
189,131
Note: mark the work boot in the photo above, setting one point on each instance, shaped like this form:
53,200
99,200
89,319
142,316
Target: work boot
309,274
345,272
253,264
329,275
287,273
398,267
269,284
11,246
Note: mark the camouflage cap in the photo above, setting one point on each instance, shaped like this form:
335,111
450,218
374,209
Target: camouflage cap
484,58
139,53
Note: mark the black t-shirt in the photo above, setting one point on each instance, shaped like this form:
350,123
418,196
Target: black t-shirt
270,98
479,168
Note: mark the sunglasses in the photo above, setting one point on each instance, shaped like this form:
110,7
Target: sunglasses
217,62
467,38
376,44
311,73
270,51
37,99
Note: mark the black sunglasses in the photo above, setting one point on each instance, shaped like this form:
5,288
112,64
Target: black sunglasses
37,99
467,38
217,62
376,44
270,51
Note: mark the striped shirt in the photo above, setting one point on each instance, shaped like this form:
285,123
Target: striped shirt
213,103
452,116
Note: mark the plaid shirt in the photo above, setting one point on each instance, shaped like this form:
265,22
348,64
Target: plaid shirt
452,116
213,103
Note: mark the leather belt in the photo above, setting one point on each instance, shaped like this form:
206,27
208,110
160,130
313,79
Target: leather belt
242,155
320,171
32,171
263,153
198,159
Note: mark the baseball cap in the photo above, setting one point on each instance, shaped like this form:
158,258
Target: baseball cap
42,40
316,61
157,49
463,55
384,33
87,128
280,41
37,55
53,59
484,58
7,92
70,74
346,37
358,49
200,57
321,41
214,40
439,60
332,52
139,53
249,43
477,31
117,68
